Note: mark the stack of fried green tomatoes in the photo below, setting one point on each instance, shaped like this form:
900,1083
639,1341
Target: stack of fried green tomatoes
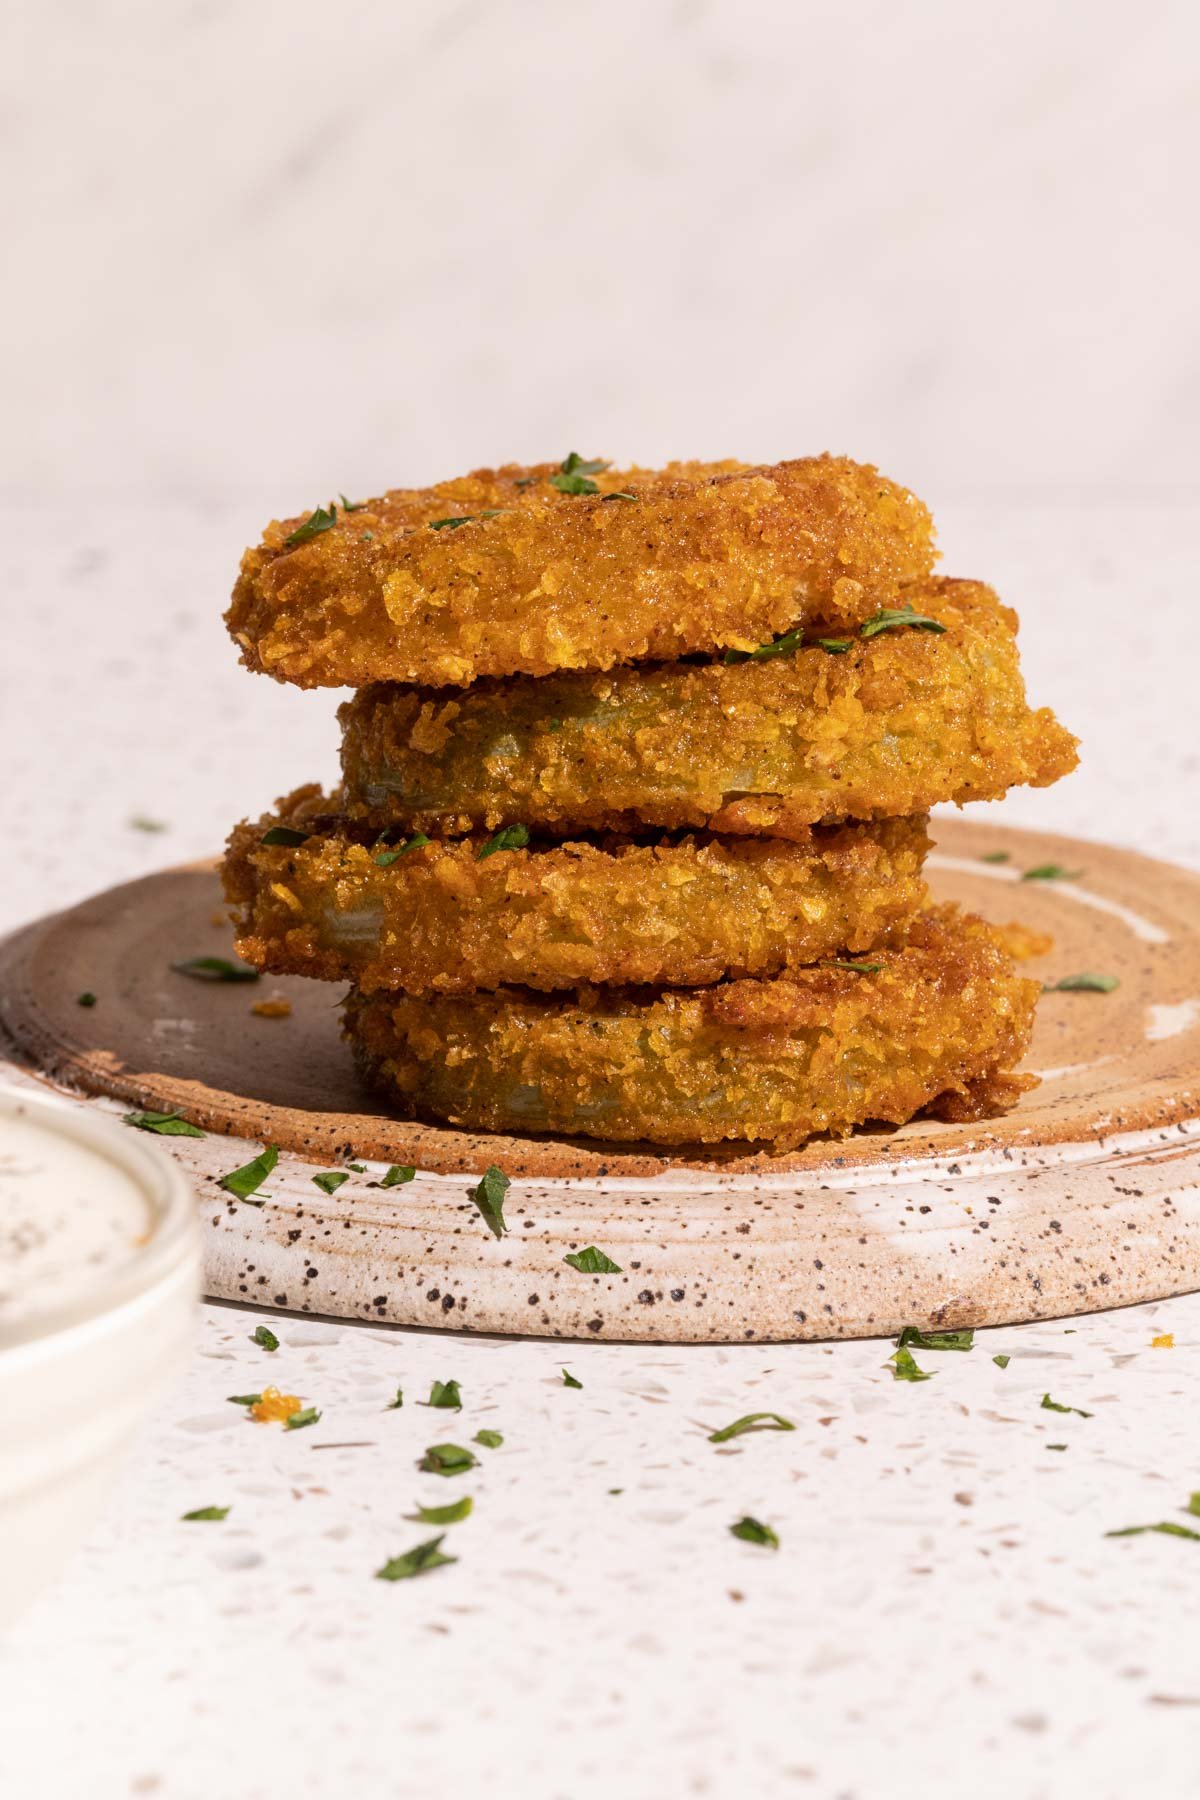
632,822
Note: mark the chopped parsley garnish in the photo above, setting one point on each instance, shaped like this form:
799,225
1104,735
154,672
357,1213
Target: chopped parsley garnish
592,1262
835,646
569,1380
396,1176
385,858
166,1124
904,1368
265,1338
463,519
313,526
358,1168
397,1403
786,645
445,1393
215,968
935,1340
488,1196
509,837
207,1512
417,1561
1049,1405
284,834
308,1415
330,1180
889,617
573,475
87,998
1051,872
448,1459
491,1440
247,1180
352,506
1167,1527
857,968
243,1399
996,856
752,1531
140,822
618,496
1002,1361
1085,983
444,1515
759,1421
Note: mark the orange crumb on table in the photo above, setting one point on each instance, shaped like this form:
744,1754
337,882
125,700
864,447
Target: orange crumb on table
1164,1342
275,1406
275,1008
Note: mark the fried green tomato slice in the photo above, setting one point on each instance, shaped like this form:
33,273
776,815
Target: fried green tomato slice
893,725
457,915
937,1022
502,572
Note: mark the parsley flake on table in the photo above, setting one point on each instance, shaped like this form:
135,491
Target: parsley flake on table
509,837
330,1180
445,1394
448,1459
215,968
756,1421
569,1380
488,1196
417,1561
243,1183
396,1176
1049,1405
1051,871
284,834
591,1261
752,1531
888,618
573,475
385,858
904,1368
318,521
207,1512
165,1124
265,1338
308,1415
935,1340
444,1515
87,998
1085,983
491,1440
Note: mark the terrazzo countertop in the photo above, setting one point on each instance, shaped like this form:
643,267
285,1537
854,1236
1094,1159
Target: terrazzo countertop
944,1607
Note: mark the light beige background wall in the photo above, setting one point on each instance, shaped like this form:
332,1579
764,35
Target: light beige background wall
284,248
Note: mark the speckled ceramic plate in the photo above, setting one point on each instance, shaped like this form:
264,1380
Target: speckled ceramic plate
1087,1195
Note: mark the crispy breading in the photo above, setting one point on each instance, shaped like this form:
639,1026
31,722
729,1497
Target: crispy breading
683,912
656,563
940,1024
896,724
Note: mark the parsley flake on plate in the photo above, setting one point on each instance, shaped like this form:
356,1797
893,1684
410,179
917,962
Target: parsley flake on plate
397,1403
330,1180
904,1367
509,837
417,1561
87,998
752,1531
996,856
569,1380
1049,1405
488,1196
243,1399
445,1394
308,1415
1167,1527
1085,983
396,1176
448,1459
491,1440
935,1340
165,1124
1002,1361
591,1261
243,1183
265,1338
207,1512
140,822
444,1515
215,968
756,1421
1051,871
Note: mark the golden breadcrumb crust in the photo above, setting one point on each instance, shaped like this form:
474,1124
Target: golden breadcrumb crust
893,726
679,913
702,556
940,1024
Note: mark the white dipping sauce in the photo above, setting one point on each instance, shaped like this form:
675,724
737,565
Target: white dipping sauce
68,1219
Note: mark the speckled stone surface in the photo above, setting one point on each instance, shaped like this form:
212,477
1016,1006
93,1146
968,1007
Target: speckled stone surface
944,1608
